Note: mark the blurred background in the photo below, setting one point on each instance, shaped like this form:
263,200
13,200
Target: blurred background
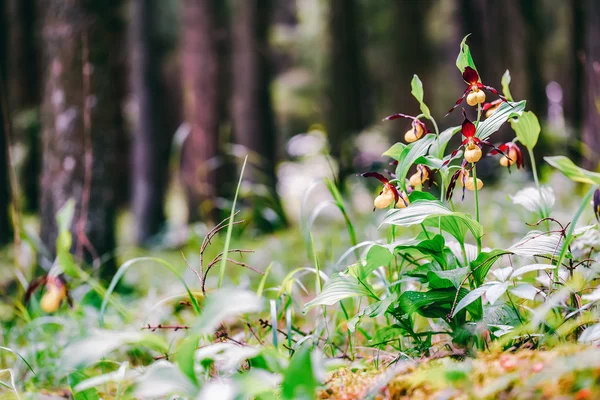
143,111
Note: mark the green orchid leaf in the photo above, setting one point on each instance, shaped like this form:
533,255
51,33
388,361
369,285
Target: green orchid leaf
464,58
506,85
417,91
572,171
527,127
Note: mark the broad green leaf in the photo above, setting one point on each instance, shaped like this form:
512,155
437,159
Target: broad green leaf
418,212
469,298
301,379
537,243
494,292
446,279
430,161
539,201
572,171
506,85
417,195
376,257
530,268
525,291
223,304
337,288
482,264
502,114
435,303
464,58
186,356
433,247
410,154
527,127
417,91
395,151
87,394
437,150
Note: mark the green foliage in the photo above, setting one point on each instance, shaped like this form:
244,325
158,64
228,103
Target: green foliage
572,171
464,58
417,91
527,127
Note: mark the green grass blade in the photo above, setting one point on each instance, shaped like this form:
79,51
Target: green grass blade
230,226
18,355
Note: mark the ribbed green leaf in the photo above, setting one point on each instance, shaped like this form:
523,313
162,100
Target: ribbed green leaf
502,114
410,154
337,288
572,171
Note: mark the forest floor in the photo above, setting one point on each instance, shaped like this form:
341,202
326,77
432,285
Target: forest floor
566,372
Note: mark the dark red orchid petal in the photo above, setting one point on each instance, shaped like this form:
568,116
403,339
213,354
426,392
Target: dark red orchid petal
375,175
494,91
470,76
487,106
459,101
383,180
452,185
398,116
33,286
468,128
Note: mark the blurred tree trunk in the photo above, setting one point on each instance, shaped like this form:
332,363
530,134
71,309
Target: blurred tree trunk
24,93
74,134
5,225
410,55
591,127
254,124
347,111
151,141
534,39
200,71
486,22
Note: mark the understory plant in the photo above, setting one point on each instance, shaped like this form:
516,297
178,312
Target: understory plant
444,286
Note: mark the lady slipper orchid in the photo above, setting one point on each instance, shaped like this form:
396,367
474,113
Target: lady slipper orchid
471,143
511,154
416,132
475,91
421,176
56,292
465,179
491,107
389,194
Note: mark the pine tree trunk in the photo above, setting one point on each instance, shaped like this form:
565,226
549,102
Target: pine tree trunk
200,70
70,29
151,140
347,95
5,225
253,120
591,126
24,92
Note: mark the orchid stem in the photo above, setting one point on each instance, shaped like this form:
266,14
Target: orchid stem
476,190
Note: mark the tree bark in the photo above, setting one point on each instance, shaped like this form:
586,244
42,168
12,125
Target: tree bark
200,70
81,121
151,141
5,225
591,126
253,120
24,91
347,111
